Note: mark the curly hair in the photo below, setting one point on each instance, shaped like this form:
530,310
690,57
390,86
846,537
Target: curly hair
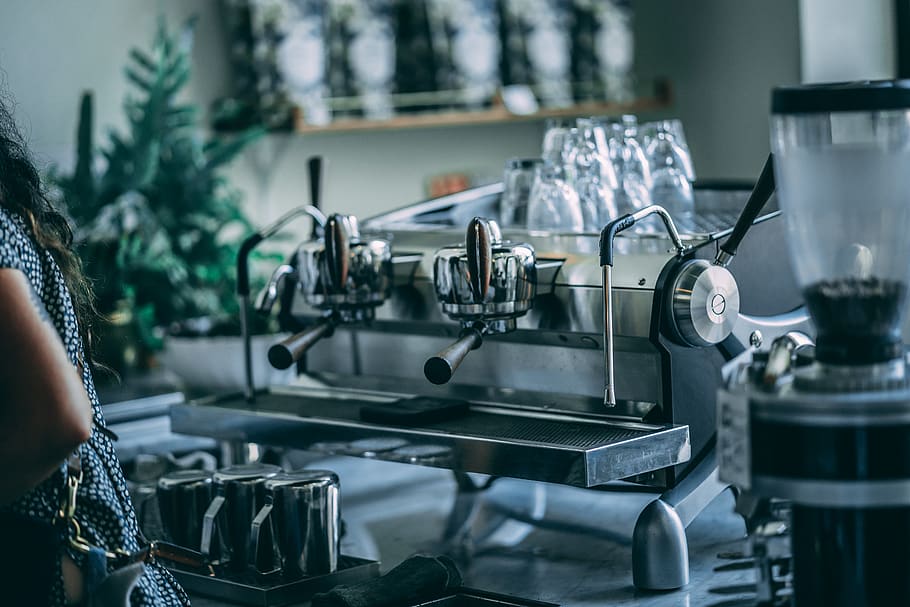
21,192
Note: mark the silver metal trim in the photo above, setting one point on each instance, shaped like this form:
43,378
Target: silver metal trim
827,409
705,302
772,327
820,377
634,449
308,209
780,356
835,494
609,379
269,294
722,259
656,209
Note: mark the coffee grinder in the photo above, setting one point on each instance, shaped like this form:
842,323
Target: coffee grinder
830,432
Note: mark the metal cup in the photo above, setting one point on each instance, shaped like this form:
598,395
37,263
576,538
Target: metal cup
239,494
183,497
303,511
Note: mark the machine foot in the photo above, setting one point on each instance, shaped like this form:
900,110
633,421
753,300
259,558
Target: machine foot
660,551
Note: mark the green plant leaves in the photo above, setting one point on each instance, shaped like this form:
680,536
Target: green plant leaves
153,213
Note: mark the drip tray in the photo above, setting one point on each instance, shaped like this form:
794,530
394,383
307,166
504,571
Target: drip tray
583,452
249,589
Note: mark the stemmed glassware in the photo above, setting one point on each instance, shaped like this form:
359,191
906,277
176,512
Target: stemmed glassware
594,177
670,170
597,170
553,203
517,182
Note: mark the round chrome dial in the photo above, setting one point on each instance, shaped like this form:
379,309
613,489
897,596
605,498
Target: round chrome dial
705,302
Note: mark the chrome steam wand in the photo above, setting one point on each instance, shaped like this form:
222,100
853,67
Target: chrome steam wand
243,270
606,265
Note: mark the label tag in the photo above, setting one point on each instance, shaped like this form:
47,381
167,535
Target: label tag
733,446
519,99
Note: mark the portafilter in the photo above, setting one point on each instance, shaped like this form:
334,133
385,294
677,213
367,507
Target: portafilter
486,284
343,275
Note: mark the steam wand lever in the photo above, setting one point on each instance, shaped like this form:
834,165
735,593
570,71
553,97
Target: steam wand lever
243,269
761,192
606,265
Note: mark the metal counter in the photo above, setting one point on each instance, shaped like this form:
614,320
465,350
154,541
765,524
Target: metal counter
566,557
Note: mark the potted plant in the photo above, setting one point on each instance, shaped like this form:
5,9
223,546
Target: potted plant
158,225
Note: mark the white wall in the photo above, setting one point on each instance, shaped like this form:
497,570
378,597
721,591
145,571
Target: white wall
721,56
847,40
52,50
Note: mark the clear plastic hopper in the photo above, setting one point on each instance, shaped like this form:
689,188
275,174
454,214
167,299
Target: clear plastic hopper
842,165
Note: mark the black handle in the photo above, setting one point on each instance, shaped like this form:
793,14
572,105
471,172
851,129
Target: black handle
243,268
609,233
440,368
314,170
762,191
285,353
158,550
418,580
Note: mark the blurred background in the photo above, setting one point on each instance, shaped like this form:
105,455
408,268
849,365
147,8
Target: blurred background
719,58
402,98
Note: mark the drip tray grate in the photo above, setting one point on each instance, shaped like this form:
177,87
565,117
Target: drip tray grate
504,442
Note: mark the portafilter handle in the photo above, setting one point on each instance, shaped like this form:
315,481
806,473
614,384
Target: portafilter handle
439,369
338,250
480,238
288,351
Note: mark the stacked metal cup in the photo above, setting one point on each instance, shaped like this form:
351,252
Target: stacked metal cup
183,497
239,493
302,512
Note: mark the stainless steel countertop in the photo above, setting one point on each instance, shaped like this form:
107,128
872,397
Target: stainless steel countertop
580,555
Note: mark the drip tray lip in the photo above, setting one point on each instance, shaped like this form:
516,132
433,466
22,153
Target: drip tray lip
559,448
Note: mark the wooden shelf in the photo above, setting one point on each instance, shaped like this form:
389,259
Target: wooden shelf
495,115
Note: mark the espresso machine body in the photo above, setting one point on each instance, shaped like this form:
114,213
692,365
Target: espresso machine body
552,363
530,402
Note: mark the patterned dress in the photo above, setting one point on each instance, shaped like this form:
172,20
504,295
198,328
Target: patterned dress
104,510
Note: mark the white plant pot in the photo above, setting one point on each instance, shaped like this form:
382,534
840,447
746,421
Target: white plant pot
216,363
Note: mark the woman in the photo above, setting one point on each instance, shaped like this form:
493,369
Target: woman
49,411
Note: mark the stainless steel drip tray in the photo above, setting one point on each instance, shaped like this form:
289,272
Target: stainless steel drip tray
521,444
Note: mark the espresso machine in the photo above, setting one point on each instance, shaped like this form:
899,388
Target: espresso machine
485,285
530,402
827,427
341,274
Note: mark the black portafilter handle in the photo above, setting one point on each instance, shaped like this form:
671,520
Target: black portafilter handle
288,351
760,195
439,369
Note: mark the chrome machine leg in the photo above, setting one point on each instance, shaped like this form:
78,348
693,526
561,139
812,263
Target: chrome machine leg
660,552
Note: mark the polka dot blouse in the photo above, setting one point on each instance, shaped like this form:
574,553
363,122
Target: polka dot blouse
104,510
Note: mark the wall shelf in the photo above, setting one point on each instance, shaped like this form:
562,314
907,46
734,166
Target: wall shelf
498,114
